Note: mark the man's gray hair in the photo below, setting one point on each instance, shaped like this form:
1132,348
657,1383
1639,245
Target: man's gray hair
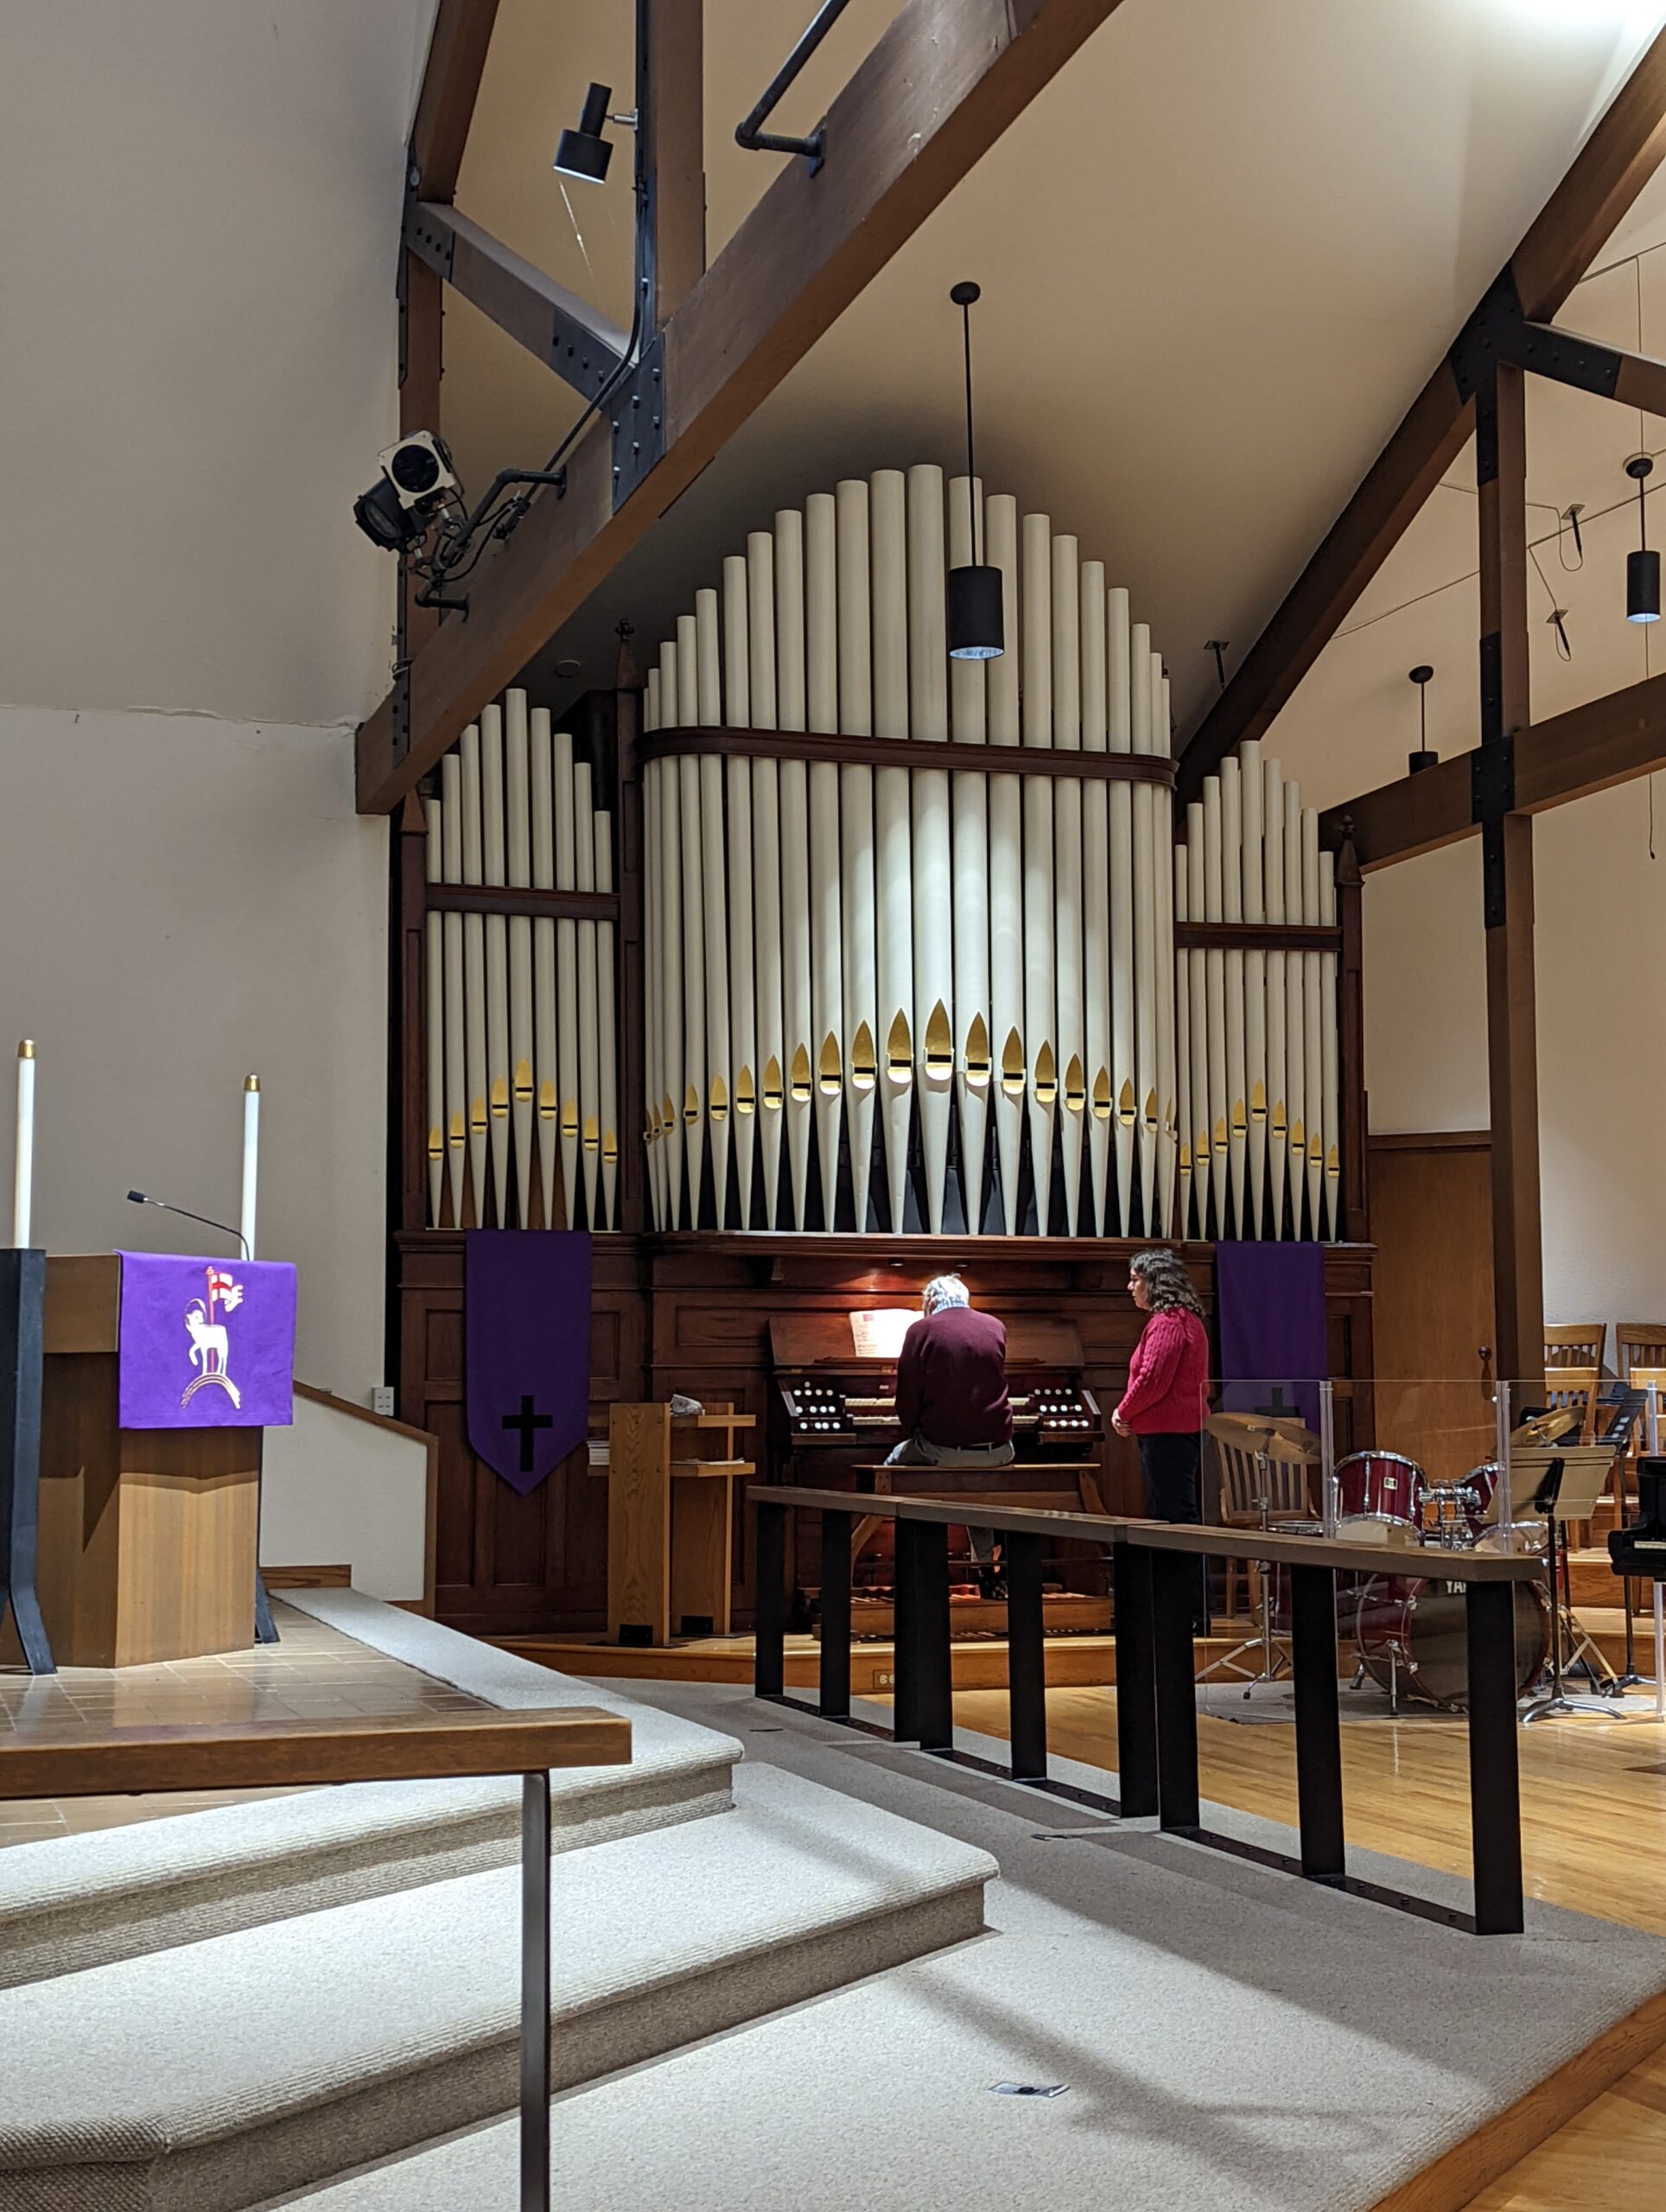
943,1290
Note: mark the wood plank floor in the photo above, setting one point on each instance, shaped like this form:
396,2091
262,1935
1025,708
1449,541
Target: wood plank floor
1593,1816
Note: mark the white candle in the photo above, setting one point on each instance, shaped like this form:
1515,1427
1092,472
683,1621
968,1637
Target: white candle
251,1159
24,1184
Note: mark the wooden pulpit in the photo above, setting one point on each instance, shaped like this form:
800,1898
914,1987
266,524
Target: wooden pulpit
671,1521
149,1537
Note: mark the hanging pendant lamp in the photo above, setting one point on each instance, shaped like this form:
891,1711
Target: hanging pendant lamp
1643,567
1422,758
976,631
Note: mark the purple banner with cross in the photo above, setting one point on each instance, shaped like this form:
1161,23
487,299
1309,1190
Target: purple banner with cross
1269,1304
526,1353
206,1344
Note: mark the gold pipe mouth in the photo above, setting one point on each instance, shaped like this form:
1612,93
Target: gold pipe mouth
798,1082
773,1090
569,1117
831,1076
546,1099
499,1097
899,1052
1047,1077
477,1113
1128,1111
1076,1086
1151,1112
690,1105
435,1145
1011,1066
1102,1097
592,1136
1298,1137
939,1046
979,1065
457,1131
1240,1125
1258,1103
523,1083
667,1113
746,1097
610,1148
717,1102
1280,1124
864,1064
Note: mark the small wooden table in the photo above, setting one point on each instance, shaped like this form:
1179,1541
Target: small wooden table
295,1754
671,1521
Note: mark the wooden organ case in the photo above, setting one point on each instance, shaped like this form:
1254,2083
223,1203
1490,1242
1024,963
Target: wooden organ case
751,1184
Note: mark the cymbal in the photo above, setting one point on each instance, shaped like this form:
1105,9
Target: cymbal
1546,1428
1256,1432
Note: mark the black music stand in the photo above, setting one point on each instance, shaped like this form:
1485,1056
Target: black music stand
1585,1480
22,1345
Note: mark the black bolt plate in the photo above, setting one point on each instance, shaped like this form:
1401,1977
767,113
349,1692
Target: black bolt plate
636,415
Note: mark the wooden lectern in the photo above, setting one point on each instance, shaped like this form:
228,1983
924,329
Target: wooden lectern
149,1537
670,1522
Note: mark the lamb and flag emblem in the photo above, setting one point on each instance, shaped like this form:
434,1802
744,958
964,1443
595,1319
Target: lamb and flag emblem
205,1343
526,1357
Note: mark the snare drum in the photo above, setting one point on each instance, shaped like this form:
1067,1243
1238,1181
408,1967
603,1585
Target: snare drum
1378,1486
1415,1633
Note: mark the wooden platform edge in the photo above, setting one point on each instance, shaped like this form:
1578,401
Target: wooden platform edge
1460,2175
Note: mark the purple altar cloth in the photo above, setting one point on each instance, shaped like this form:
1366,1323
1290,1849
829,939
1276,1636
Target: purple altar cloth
206,1344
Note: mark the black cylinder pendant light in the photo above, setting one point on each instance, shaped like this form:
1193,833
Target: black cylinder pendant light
977,629
1422,758
1643,567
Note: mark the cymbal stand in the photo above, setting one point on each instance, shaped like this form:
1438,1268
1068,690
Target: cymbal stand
1558,1702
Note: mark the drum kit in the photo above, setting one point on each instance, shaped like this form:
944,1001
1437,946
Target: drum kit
1410,1630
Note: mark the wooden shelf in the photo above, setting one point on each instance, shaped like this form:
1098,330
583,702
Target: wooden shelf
506,899
907,753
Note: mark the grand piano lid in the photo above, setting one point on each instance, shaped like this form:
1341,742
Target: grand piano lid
801,1341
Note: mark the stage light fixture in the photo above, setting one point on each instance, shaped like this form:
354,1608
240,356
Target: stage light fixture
1422,758
584,153
417,481
976,624
1643,567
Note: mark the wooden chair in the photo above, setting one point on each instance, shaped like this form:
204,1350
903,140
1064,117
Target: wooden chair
1576,1388
1575,1344
1290,1488
1638,1343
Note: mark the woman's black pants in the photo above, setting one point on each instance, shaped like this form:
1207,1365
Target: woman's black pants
1169,1466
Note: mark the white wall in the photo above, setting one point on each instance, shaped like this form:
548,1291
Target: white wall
183,902
337,1491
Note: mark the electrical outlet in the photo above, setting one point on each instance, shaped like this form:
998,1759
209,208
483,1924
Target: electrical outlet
381,1401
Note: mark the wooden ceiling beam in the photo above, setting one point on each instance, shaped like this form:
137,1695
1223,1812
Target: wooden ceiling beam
1610,740
557,328
933,95
1611,169
451,85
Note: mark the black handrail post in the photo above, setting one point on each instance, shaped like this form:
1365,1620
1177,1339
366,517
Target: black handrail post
1495,1783
833,1689
933,1679
1319,1735
1027,1669
769,1640
1136,1680
905,1638
1173,1601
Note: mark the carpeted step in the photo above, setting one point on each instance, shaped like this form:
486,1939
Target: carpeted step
72,1902
210,2077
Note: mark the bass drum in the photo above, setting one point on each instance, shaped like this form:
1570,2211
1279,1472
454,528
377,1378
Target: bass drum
1413,1636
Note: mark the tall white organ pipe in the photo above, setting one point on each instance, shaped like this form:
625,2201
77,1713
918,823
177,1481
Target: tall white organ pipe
970,797
766,869
856,828
797,1029
1330,1067
589,1038
474,973
1203,1123
456,1075
933,894
1162,862
1040,975
653,985
251,1187
497,960
1278,1115
1237,1119
1096,900
434,964
743,1025
694,921
1145,928
567,975
1119,707
1071,1035
1220,1100
608,1025
1295,1019
518,803
892,833
1010,1082
1253,784
1184,1123
671,942
826,948
713,910
1313,1056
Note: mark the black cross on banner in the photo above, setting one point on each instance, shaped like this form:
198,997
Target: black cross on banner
1277,1408
526,1421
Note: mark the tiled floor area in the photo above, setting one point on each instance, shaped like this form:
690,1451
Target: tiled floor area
313,1673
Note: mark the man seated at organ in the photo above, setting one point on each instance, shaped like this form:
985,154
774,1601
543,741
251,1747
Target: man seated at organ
952,1406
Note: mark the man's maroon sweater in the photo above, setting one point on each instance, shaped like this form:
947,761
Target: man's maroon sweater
952,1380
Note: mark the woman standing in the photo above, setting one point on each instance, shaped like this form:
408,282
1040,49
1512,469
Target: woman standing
1164,1403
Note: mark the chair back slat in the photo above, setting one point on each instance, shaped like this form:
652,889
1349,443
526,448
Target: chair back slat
1576,1388
1638,1343
1575,1344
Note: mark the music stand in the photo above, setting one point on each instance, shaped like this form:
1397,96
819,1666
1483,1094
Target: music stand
1571,1480
1259,1433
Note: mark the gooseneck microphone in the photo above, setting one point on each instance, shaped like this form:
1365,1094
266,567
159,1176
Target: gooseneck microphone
139,1198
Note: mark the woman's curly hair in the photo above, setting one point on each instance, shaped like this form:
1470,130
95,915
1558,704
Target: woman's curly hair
1166,1282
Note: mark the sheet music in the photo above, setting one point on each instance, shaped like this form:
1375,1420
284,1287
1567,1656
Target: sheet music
879,1334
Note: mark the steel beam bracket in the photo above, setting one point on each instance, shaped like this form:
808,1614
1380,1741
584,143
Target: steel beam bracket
1492,336
636,414
1492,797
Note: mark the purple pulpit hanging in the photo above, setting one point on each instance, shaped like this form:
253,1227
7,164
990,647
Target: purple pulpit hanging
206,1344
526,1352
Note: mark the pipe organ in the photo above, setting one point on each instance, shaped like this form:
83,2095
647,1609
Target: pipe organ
918,946
521,985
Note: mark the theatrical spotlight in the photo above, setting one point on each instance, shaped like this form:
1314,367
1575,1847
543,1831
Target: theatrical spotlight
417,481
584,153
